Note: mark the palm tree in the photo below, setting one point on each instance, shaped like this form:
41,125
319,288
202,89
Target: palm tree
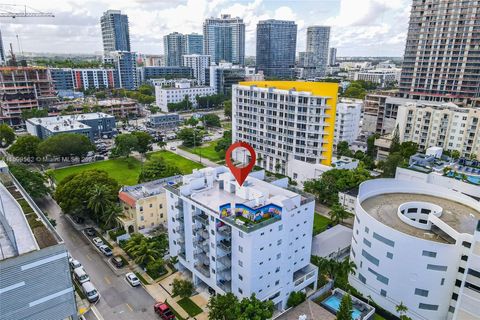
99,201
401,309
348,267
161,144
145,252
338,214
110,215
173,260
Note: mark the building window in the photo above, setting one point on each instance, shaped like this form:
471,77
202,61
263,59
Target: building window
240,234
277,282
240,277
370,258
421,292
240,263
455,296
362,278
142,218
442,282
141,208
436,267
383,293
389,255
430,254
161,206
380,238
367,243
367,229
151,205
424,306
466,244
279,242
279,255
240,249
240,291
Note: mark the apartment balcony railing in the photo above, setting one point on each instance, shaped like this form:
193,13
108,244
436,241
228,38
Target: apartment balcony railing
225,231
225,285
205,270
225,245
202,218
181,254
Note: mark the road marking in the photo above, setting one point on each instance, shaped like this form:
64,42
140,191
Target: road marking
96,312
128,306
107,280
88,257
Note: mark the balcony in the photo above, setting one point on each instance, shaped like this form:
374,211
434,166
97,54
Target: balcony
179,229
225,263
225,285
304,275
225,245
202,218
203,269
225,231
179,205
181,254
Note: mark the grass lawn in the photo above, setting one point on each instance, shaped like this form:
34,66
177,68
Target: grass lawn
125,171
227,125
320,223
378,317
185,165
206,151
189,306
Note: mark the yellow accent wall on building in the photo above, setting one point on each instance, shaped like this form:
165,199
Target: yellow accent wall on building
322,89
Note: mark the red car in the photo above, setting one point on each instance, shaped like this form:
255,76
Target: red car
163,310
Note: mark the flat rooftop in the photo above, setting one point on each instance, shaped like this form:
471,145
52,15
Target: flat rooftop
150,188
45,121
334,239
384,208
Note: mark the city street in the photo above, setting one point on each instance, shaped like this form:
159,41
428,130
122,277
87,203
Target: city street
118,299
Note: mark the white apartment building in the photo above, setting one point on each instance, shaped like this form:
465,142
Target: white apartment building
383,77
348,120
417,244
199,63
285,121
255,238
436,124
182,89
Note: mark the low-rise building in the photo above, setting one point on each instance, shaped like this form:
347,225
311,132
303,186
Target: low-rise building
163,121
333,243
93,125
347,199
382,144
144,205
35,279
146,73
120,108
301,171
384,77
182,90
249,239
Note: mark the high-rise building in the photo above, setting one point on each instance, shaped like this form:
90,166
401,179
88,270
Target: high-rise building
318,39
125,75
36,282
223,76
285,120
347,120
276,45
253,239
193,43
417,244
174,48
24,88
199,64
78,79
332,57
380,112
224,39
115,31
442,59
3,58
440,124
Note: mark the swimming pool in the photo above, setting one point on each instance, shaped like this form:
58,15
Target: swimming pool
333,303
471,179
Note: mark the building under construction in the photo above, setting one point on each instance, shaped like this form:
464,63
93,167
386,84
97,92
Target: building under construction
24,88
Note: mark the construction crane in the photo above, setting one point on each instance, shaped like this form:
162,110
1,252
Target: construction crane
7,12
11,11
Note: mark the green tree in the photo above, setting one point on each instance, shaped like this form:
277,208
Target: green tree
223,307
157,168
182,288
7,136
338,214
252,308
343,149
395,144
66,145
389,166
227,109
190,137
346,308
371,150
174,260
455,154
402,311
146,89
161,144
144,142
355,91
99,201
32,181
295,299
125,144
192,121
142,249
73,193
408,149
25,147
211,120
110,215
224,143
34,113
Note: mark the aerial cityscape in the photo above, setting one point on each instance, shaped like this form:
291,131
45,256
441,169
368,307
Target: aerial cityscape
251,160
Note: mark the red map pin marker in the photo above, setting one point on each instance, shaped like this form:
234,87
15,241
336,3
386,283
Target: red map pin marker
240,174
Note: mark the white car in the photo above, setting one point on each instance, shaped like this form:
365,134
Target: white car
97,241
74,263
105,250
173,148
132,279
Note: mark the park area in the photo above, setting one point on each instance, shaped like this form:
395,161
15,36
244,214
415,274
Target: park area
127,170
206,151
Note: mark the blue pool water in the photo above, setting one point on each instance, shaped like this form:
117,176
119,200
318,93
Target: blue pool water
334,303
472,179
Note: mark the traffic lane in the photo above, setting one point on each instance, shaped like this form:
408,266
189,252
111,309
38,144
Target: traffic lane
118,300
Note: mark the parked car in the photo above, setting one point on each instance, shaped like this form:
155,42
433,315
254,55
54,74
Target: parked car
78,219
132,279
173,148
163,310
105,250
117,262
90,291
81,275
74,264
97,241
90,232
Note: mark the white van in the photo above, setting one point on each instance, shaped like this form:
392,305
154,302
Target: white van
81,275
90,291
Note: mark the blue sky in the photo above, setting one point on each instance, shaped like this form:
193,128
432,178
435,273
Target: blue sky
359,27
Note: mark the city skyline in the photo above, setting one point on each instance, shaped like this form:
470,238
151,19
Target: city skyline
356,26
